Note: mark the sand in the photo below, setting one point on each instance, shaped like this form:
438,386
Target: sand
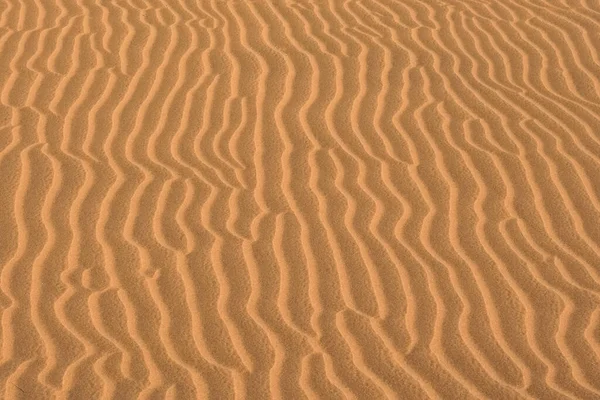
276,199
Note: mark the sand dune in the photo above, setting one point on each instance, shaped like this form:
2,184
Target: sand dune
325,199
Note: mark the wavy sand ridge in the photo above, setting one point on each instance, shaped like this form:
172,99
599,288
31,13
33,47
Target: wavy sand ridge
311,199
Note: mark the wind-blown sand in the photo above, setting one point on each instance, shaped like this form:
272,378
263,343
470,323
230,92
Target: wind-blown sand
215,199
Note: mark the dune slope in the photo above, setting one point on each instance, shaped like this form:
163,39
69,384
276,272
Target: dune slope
285,199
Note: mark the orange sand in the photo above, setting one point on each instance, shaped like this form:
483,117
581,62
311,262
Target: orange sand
361,199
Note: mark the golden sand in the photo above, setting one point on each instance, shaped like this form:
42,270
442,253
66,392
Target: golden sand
313,199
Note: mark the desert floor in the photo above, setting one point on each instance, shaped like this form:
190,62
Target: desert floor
312,199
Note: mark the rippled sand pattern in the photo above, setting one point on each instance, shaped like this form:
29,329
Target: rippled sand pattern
322,199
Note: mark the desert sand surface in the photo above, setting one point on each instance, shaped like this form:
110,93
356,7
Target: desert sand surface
312,199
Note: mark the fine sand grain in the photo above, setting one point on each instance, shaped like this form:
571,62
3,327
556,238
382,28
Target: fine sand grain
311,199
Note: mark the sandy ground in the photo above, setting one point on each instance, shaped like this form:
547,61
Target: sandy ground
323,199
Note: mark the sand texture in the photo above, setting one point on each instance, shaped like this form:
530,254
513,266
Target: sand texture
312,199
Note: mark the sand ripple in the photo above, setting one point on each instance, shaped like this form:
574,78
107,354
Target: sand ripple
300,199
